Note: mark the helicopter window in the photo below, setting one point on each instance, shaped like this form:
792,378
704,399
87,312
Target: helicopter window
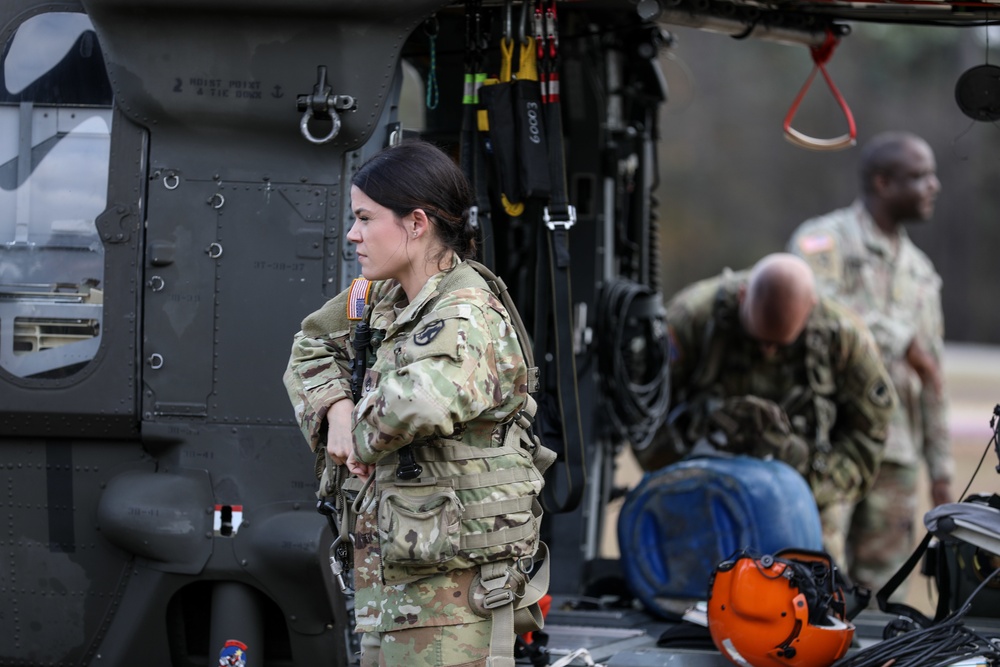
55,142
412,110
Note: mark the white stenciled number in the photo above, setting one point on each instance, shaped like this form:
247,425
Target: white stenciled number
534,131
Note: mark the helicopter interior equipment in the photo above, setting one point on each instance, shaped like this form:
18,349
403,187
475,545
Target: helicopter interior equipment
173,202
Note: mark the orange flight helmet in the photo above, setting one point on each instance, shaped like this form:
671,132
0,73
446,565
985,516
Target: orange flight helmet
785,610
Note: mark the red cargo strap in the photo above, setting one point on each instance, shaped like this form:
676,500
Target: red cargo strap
821,55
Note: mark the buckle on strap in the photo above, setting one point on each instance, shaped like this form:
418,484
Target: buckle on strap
497,593
524,420
499,598
559,224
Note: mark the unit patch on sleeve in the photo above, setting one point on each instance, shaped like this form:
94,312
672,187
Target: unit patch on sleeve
429,332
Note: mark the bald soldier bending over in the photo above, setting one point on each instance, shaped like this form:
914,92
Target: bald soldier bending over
761,365
776,301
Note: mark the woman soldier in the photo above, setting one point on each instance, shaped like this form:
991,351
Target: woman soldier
447,381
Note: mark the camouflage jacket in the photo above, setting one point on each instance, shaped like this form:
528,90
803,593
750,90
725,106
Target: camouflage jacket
449,367
898,294
830,382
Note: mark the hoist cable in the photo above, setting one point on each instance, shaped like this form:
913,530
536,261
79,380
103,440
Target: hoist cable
633,360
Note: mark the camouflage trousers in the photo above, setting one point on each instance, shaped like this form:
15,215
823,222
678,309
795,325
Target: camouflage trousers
872,539
881,535
835,519
438,646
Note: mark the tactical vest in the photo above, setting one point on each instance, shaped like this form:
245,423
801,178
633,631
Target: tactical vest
719,334
473,507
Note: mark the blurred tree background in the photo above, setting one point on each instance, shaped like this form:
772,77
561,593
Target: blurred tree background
732,188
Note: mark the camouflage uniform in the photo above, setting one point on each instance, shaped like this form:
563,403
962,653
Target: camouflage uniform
830,385
447,378
898,294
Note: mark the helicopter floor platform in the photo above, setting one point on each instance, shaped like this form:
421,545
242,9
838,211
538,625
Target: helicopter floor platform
626,637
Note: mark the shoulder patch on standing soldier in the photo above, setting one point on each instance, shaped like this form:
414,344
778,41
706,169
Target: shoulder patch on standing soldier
357,298
817,242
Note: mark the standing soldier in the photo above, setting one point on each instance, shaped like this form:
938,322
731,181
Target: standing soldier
446,531
761,365
863,256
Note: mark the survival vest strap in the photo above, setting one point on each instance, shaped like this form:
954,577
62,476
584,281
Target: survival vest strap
512,614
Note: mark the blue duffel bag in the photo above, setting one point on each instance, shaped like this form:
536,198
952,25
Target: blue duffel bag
682,520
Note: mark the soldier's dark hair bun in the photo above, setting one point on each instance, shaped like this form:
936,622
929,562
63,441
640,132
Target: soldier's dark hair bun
416,174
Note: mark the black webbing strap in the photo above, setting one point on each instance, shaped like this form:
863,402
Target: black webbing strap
559,319
474,165
559,216
903,610
483,220
471,157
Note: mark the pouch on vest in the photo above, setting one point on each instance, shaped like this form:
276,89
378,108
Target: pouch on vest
471,506
419,525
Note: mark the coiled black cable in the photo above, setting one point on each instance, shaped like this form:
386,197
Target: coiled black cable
633,359
943,643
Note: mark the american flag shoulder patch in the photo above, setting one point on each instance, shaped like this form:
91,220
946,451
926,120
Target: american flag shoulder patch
357,297
818,242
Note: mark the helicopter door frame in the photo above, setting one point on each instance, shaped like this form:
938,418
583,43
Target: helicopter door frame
62,114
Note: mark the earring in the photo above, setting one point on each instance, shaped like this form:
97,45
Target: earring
414,234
